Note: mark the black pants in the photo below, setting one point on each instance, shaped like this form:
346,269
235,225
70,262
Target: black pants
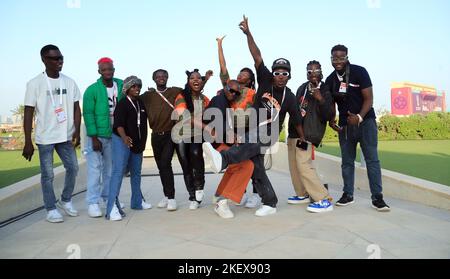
163,151
163,148
191,156
252,151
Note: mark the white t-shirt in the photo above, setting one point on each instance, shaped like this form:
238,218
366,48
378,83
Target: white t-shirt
112,100
47,129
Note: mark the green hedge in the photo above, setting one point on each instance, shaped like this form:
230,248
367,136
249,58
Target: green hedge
432,126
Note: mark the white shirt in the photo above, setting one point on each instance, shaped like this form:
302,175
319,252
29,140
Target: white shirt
37,95
112,100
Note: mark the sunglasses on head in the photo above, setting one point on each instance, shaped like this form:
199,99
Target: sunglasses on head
286,74
55,58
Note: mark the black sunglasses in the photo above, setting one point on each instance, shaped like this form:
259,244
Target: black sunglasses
55,58
231,90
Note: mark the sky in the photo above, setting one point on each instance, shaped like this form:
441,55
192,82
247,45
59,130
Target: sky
395,40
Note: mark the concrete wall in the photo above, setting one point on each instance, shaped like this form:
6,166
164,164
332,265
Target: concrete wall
395,185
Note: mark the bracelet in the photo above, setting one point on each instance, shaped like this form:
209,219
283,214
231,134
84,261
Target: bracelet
360,118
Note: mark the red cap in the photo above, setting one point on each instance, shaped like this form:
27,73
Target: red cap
104,60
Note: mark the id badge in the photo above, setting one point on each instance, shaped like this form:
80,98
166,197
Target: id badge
60,115
343,88
303,112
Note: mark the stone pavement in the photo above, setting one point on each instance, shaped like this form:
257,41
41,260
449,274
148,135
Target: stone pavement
409,231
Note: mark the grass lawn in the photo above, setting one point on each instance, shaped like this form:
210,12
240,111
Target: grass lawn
13,167
426,159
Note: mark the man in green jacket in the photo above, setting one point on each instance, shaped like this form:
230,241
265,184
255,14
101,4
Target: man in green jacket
99,102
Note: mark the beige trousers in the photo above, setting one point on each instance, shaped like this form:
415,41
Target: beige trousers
304,176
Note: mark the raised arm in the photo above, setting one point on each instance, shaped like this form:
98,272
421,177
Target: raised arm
254,50
222,62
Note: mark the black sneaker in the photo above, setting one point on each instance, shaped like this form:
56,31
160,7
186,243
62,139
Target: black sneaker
380,205
345,200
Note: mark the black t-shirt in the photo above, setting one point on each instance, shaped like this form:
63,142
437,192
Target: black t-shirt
288,105
126,116
359,79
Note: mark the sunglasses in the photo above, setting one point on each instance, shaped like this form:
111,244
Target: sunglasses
232,91
310,72
286,74
55,58
338,59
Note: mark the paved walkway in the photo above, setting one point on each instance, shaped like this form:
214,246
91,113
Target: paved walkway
408,231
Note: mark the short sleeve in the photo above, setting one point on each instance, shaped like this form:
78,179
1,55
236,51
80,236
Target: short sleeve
76,93
264,76
364,79
120,114
31,95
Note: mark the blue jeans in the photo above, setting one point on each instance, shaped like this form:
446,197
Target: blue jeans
367,136
68,157
99,167
122,156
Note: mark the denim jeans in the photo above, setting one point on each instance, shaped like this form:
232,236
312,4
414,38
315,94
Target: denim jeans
68,157
99,167
367,136
122,156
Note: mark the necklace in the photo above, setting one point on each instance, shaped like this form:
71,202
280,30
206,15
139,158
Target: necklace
340,77
160,92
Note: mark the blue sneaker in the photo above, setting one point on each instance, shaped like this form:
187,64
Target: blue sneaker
298,200
320,206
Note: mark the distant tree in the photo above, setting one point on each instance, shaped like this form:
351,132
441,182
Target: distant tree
19,112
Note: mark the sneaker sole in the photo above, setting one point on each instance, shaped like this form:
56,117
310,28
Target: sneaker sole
250,206
209,157
171,209
55,221
299,202
95,216
384,209
67,212
223,217
266,214
319,210
344,204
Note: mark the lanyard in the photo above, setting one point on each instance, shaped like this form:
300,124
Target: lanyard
306,91
138,112
164,98
271,109
49,86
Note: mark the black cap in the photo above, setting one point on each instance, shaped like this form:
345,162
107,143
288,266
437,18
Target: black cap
281,63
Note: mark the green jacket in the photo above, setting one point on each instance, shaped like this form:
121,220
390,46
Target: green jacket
96,109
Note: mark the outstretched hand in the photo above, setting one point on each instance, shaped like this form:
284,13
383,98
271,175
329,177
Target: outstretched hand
219,40
244,25
208,74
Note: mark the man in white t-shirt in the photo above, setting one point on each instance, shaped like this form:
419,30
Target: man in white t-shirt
54,99
99,102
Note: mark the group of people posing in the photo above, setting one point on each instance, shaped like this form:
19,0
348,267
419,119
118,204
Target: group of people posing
233,131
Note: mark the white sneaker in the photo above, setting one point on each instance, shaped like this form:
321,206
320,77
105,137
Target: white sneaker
243,200
215,199
199,194
94,211
53,216
104,204
163,203
68,208
212,156
193,205
252,201
223,210
265,210
115,214
171,204
146,205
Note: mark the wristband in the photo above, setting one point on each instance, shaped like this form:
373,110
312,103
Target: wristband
360,118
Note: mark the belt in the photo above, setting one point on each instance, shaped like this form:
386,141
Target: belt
161,133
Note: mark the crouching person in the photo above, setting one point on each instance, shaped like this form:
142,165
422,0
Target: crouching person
314,101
